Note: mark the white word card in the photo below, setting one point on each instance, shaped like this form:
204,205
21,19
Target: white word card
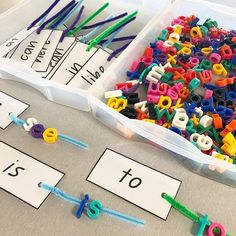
9,104
72,63
135,182
20,175
80,68
42,61
15,40
91,71
29,49
58,55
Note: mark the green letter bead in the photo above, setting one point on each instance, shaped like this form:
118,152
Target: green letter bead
206,64
203,221
197,68
145,72
227,65
210,24
234,160
94,209
190,128
177,46
163,36
164,112
194,84
204,30
166,77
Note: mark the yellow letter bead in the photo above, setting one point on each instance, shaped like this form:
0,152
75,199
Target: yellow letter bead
178,104
195,120
164,102
185,50
221,157
206,51
196,32
171,59
149,120
188,45
178,29
50,135
166,125
111,102
229,146
219,69
121,104
117,103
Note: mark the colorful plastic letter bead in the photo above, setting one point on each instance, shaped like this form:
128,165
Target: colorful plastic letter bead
50,135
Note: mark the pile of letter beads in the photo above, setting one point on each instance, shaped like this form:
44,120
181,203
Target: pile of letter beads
188,73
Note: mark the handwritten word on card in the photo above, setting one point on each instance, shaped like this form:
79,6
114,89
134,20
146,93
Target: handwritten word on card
91,71
15,40
135,182
20,175
43,59
9,104
80,68
29,49
58,55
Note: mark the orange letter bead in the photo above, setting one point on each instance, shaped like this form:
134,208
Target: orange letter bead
224,81
217,121
184,93
231,127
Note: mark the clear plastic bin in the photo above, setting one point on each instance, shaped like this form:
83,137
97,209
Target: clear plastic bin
14,20
94,100
190,155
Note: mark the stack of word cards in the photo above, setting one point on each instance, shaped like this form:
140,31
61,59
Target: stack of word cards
65,62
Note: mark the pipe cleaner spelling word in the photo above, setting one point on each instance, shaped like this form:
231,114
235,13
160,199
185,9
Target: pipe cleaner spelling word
213,229
188,75
49,135
93,208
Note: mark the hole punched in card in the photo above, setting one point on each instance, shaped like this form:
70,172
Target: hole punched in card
10,104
